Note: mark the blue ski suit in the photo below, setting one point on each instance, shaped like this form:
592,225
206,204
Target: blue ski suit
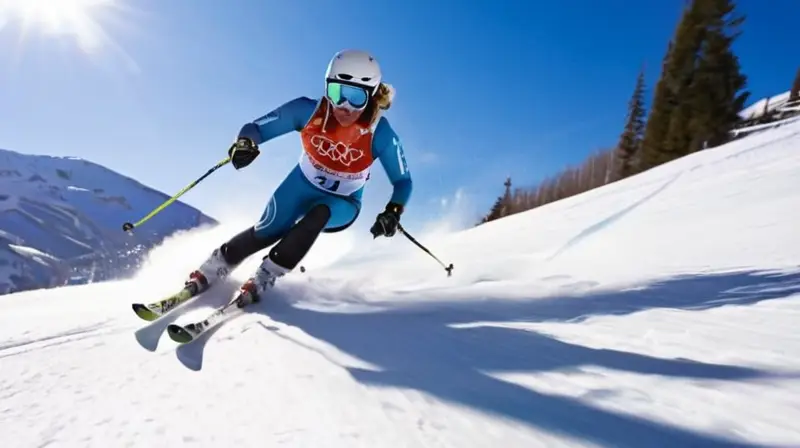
333,168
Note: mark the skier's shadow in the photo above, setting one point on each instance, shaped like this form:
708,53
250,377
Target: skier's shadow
423,347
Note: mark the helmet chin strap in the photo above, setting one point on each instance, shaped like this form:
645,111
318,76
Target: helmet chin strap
328,112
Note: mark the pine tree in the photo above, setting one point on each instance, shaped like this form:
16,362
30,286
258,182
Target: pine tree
716,94
494,212
795,92
701,89
667,134
507,201
680,75
627,151
658,123
502,206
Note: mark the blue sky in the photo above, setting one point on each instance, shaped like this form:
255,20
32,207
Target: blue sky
157,89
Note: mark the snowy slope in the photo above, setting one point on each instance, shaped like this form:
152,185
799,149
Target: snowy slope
777,102
658,311
61,218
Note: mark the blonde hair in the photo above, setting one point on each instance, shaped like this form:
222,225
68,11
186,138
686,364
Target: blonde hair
384,96
381,101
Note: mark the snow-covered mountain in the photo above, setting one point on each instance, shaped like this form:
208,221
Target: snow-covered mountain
661,310
61,218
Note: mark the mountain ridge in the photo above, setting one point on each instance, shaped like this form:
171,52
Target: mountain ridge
61,217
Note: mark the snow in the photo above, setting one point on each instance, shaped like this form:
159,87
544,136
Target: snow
30,251
73,210
660,310
35,255
776,102
760,127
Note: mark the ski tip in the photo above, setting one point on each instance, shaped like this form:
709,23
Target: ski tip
143,312
179,334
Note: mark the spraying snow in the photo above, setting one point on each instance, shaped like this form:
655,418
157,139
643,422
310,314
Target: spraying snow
65,213
659,310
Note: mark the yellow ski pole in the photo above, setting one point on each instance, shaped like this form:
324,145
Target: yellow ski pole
129,226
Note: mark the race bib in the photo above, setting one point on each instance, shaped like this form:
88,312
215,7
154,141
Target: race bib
336,182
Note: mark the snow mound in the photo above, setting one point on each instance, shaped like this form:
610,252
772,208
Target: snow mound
660,310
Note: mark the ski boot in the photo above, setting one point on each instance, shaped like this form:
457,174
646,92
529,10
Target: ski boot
215,268
253,289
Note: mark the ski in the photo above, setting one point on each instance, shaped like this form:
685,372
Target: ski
154,310
183,334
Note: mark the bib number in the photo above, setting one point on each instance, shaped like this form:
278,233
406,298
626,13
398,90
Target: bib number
343,184
328,184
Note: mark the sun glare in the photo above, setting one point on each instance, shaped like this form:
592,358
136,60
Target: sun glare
72,18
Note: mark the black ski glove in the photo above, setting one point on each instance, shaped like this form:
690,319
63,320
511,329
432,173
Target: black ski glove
387,221
243,152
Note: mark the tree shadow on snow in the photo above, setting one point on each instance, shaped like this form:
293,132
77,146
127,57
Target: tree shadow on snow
417,348
686,292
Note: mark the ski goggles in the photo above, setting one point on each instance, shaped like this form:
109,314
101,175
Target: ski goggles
346,95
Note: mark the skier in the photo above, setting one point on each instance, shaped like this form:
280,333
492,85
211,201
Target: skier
342,134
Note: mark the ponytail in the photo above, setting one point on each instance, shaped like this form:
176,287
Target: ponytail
381,101
384,96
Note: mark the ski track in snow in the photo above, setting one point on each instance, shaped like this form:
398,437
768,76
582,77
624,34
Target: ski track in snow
661,310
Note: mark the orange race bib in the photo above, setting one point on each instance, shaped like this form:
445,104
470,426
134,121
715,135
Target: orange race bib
335,159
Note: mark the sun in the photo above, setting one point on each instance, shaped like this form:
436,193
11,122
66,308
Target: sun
69,18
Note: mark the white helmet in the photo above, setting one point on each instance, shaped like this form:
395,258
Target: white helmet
355,67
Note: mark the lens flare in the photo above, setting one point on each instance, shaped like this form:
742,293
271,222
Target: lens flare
60,18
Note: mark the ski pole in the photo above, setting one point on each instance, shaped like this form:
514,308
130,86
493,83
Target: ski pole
449,268
127,227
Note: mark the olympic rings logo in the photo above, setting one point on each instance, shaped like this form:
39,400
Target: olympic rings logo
336,151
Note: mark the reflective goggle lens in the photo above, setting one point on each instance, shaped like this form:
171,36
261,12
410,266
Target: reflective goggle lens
344,93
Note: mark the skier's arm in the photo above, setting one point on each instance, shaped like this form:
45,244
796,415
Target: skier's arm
388,148
291,116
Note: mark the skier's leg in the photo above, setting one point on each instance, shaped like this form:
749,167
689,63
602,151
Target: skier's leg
286,255
273,224
224,259
344,212
328,213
